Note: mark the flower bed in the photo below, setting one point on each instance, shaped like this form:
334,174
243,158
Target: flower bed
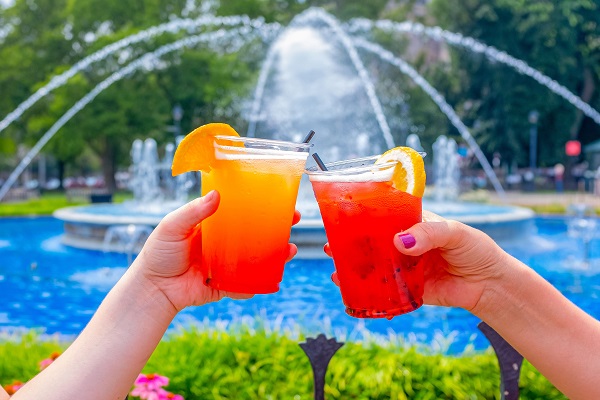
212,364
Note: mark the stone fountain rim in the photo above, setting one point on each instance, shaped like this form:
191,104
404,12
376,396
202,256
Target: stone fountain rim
74,215
516,214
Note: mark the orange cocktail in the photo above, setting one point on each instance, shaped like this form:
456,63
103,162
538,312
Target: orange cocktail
362,210
245,243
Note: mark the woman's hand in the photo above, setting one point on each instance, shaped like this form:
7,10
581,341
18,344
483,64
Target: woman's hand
117,342
171,257
461,261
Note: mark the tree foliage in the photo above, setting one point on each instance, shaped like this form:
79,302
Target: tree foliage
561,38
42,38
47,38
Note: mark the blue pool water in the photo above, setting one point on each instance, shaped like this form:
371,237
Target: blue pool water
44,284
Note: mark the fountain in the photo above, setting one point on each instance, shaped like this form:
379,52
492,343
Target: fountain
125,227
312,77
446,172
127,239
582,227
302,64
500,222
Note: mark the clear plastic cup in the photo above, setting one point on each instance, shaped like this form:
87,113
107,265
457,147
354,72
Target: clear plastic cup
362,212
245,243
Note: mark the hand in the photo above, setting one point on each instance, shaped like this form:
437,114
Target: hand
167,262
460,263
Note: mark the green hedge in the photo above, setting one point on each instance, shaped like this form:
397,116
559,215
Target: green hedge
212,364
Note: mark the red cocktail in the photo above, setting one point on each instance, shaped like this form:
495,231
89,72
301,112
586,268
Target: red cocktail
362,211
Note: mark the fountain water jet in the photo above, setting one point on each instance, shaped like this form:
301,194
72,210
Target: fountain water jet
145,61
446,173
319,14
125,227
295,31
582,226
475,46
357,25
361,138
413,141
169,27
86,226
127,239
441,103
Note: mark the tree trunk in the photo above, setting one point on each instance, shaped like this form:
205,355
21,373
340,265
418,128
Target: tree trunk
61,175
108,165
587,92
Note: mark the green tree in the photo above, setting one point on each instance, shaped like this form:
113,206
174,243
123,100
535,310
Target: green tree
561,38
30,48
206,83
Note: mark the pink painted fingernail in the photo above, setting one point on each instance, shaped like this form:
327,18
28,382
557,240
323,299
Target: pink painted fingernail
408,240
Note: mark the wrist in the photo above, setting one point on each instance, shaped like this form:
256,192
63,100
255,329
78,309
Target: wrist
501,287
150,295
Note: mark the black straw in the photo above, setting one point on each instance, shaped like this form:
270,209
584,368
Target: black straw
309,136
320,162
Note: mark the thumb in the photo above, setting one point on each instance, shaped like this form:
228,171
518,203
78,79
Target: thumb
179,224
424,236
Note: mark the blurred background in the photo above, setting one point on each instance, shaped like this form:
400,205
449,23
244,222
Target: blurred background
521,126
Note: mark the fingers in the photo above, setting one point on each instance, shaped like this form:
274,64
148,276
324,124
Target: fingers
425,236
296,218
335,279
327,249
293,250
428,216
237,296
180,223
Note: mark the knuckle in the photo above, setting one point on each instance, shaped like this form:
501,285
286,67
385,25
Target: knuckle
455,227
428,232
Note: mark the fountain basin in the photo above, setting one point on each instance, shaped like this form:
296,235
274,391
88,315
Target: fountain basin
86,226
500,222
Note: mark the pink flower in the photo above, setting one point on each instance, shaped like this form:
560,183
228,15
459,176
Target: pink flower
149,387
13,387
47,361
151,381
172,396
145,393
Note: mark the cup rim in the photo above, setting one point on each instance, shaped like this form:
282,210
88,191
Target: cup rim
315,170
283,143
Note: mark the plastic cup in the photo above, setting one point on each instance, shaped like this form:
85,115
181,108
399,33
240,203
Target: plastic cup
361,213
245,243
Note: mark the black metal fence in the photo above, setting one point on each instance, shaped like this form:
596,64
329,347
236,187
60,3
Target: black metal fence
320,350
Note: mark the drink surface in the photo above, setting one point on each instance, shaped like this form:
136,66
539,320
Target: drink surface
245,243
361,218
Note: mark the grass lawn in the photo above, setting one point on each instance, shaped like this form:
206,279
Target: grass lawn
552,209
47,203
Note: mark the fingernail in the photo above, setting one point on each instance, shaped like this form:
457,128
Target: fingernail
209,196
408,240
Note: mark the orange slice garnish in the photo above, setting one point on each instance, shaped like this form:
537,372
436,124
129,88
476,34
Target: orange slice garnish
196,152
409,174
